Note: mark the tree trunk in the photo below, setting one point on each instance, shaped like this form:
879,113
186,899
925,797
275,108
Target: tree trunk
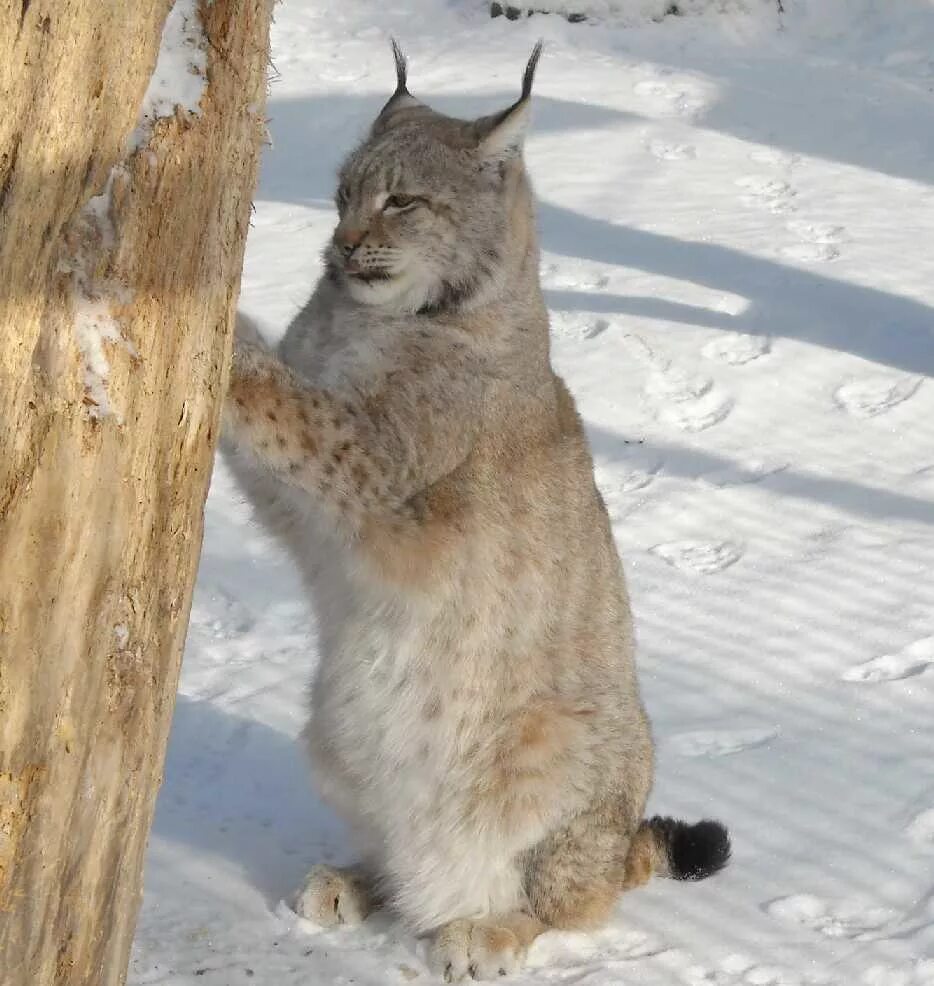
121,244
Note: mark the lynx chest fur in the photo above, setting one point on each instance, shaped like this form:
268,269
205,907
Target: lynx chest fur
438,638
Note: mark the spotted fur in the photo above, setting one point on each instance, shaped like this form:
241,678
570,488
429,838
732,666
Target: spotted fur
475,710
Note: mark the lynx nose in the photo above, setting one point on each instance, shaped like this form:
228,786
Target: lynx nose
348,240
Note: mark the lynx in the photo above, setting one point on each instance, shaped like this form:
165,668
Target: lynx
475,713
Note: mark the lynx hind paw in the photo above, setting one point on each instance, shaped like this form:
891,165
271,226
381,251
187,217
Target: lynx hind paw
331,897
476,950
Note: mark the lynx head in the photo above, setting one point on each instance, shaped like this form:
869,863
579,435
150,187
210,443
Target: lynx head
434,212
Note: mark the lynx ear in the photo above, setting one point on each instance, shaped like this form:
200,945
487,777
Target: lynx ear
504,134
401,98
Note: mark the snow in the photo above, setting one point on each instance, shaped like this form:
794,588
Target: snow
180,75
629,12
736,223
177,82
93,301
94,325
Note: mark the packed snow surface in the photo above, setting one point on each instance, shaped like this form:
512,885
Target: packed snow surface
736,213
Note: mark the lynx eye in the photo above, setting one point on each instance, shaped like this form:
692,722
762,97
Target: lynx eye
343,196
400,202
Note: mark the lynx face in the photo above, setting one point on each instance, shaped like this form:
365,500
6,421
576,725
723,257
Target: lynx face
425,205
421,222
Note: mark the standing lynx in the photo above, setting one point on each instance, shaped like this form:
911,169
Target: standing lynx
475,711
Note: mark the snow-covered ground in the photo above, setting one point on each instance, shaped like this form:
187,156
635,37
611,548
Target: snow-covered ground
737,227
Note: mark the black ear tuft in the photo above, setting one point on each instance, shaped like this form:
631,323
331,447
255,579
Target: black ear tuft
501,135
529,74
402,68
401,98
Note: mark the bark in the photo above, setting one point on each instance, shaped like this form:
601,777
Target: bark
115,328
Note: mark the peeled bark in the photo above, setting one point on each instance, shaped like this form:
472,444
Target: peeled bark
120,265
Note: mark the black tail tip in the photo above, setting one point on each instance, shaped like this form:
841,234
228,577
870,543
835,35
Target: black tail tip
694,851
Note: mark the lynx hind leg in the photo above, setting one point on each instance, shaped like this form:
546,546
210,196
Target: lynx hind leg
483,949
575,876
642,859
331,896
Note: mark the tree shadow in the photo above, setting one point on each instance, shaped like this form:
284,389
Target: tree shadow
643,307
797,304
238,789
693,463
837,127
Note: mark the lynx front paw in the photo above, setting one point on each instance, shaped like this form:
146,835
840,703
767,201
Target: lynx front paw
479,949
331,897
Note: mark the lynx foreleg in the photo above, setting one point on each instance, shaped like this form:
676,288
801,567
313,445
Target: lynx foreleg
310,440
